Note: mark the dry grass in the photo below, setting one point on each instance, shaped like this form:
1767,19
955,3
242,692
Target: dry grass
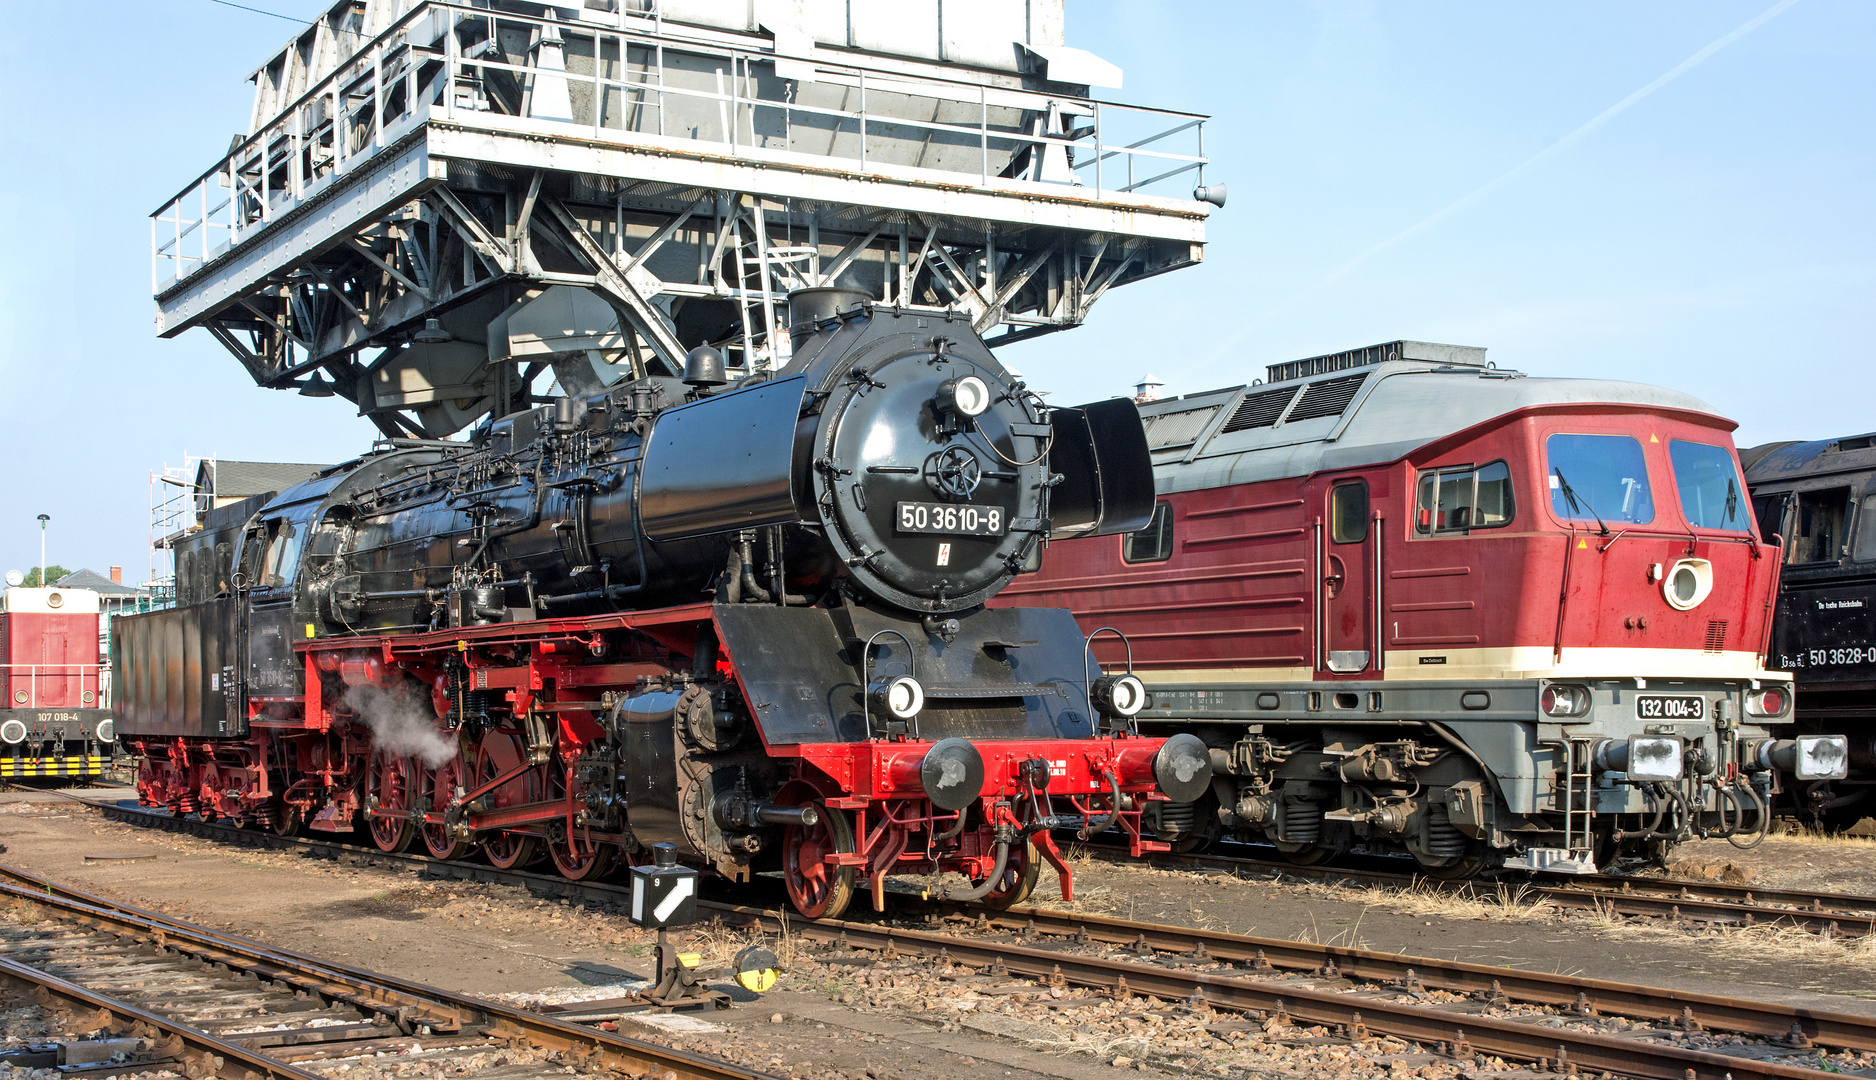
1765,941
1506,904
1806,834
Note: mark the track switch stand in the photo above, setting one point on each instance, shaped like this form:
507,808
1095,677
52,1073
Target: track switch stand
664,895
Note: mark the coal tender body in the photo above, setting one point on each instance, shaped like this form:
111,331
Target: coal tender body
747,621
1821,498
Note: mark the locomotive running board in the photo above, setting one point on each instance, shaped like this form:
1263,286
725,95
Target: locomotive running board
1550,860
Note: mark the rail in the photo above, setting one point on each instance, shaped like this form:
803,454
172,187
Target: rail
29,695
423,1014
1831,915
1273,980
420,71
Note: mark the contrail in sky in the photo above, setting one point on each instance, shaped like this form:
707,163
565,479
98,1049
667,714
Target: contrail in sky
1564,143
1534,160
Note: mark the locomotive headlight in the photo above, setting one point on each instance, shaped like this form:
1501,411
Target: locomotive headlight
1643,757
1687,583
1771,701
968,396
899,698
107,730
13,732
1564,700
1119,696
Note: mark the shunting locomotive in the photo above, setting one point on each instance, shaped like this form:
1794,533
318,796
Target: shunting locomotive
54,720
1419,603
747,620
1820,497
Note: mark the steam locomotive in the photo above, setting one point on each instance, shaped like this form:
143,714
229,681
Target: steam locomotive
1422,604
746,620
1821,498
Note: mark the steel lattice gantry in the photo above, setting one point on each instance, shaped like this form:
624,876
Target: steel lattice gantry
440,202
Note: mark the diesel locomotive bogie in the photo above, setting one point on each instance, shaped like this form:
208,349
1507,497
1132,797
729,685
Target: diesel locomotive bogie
1464,792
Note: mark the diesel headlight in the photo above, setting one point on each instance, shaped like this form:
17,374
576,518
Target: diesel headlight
12,732
1564,700
107,730
1687,583
1644,758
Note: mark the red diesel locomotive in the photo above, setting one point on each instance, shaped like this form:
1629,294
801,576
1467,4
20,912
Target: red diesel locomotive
747,621
1419,603
53,717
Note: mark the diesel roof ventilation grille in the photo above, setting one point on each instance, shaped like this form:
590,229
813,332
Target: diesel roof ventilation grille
1260,409
1327,398
1165,431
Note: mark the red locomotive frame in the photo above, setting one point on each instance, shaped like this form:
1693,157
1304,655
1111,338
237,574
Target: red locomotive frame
870,807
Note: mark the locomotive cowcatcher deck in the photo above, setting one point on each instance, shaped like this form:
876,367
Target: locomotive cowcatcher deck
748,622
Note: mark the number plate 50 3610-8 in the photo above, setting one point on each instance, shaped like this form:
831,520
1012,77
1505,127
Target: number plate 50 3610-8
954,519
1670,707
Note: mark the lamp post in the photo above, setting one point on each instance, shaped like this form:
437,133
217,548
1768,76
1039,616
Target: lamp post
43,518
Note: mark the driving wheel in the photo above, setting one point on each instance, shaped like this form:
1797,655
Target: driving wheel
440,787
391,783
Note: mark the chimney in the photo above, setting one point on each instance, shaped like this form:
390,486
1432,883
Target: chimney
117,575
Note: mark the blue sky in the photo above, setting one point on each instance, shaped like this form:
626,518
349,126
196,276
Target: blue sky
1717,235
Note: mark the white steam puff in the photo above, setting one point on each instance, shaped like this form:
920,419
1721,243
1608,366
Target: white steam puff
402,724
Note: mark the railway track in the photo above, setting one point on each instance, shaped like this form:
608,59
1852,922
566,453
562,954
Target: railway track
1829,914
131,989
1465,1009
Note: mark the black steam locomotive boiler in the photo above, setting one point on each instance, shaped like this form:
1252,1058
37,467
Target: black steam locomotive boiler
746,620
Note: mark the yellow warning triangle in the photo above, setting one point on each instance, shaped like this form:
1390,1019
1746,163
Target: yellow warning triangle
1653,439
1582,543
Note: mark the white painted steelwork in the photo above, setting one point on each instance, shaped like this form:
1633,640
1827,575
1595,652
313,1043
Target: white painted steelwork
448,161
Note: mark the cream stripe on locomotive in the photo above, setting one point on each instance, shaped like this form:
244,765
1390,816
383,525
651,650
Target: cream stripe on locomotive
1539,662
1501,663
